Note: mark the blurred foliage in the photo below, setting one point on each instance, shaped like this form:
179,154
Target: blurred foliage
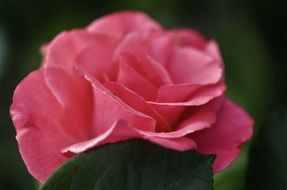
3,50
249,32
268,155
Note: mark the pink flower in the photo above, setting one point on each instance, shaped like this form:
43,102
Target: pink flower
125,77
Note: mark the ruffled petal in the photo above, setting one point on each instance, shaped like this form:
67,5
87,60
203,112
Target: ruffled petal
212,48
108,109
170,112
232,128
138,103
119,24
190,65
144,57
129,77
189,94
65,48
174,99
189,38
36,114
189,119
120,131
74,94
160,47
97,59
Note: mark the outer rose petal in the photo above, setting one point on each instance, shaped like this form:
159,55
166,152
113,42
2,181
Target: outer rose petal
36,116
42,115
232,128
120,131
74,94
64,49
119,24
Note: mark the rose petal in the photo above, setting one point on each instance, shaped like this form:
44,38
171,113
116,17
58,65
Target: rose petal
97,59
189,38
232,128
108,109
36,115
186,95
189,94
74,94
119,24
120,131
129,77
160,47
189,119
148,68
212,48
64,49
137,48
170,112
138,103
155,72
117,132
190,65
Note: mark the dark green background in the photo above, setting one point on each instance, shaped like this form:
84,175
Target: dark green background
251,35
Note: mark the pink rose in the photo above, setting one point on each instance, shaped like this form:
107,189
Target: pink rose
125,77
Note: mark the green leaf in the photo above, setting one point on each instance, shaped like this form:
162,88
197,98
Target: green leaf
268,155
134,165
